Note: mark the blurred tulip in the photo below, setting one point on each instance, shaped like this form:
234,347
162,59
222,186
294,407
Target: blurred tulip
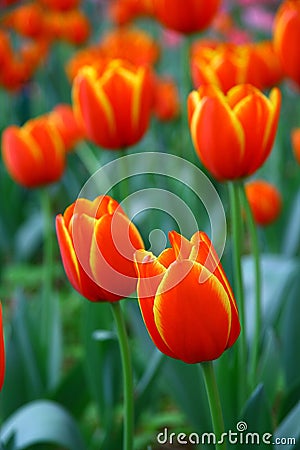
67,125
188,17
89,56
227,65
71,26
186,300
59,5
2,351
131,44
33,154
295,139
97,242
114,104
287,38
122,12
27,20
233,134
264,200
166,99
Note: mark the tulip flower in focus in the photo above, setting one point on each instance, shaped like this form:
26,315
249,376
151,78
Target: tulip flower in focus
264,200
34,154
114,104
67,125
295,138
286,37
233,134
188,17
2,351
97,242
186,300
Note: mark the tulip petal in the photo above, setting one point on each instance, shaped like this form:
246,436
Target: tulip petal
150,273
218,137
181,246
192,318
206,255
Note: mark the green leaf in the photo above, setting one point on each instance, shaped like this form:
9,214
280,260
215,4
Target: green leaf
257,412
289,429
277,275
270,371
290,334
257,417
42,421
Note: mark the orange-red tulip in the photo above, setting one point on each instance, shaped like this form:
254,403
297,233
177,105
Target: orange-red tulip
264,200
67,125
33,154
97,242
129,43
186,300
28,20
295,138
114,104
2,351
59,5
287,38
227,64
166,99
186,17
233,134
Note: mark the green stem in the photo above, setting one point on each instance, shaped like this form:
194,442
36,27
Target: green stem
237,231
127,377
47,264
257,269
124,187
87,157
214,403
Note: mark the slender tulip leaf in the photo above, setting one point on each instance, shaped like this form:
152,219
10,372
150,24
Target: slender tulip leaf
288,432
102,363
291,237
290,399
70,393
29,236
42,421
255,420
290,334
227,379
277,275
54,349
185,384
270,372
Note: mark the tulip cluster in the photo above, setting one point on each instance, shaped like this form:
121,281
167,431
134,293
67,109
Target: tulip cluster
39,24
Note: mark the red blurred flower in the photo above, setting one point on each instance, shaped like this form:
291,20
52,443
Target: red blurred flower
287,38
132,44
97,242
227,65
295,138
233,134
33,154
166,99
27,20
186,17
186,300
114,103
264,200
60,5
67,125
